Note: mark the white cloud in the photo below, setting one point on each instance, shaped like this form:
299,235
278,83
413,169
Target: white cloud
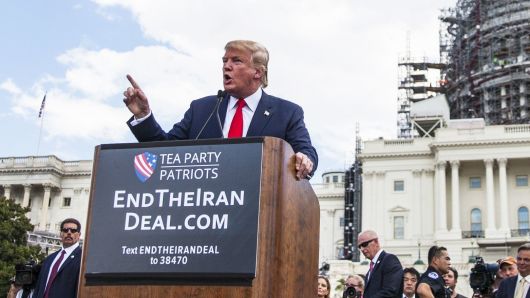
10,86
337,59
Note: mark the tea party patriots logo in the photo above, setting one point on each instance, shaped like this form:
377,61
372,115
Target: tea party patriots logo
144,165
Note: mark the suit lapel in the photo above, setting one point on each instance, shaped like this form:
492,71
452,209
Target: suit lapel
71,258
513,285
261,117
222,110
376,266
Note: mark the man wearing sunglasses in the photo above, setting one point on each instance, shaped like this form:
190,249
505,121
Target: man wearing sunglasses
385,276
432,284
60,270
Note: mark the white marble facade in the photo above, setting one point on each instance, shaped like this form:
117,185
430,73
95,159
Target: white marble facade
53,188
466,189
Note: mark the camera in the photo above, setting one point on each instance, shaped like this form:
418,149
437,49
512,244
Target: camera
482,276
26,274
350,292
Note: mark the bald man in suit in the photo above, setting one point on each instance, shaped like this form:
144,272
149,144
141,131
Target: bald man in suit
385,277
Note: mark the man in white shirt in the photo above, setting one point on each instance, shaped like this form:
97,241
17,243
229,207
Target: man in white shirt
60,271
244,109
517,286
410,280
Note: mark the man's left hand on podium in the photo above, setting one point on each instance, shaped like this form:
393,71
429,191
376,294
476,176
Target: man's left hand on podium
304,166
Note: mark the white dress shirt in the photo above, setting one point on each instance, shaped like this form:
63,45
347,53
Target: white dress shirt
248,111
526,286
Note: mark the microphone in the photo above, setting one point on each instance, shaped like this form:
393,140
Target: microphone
220,95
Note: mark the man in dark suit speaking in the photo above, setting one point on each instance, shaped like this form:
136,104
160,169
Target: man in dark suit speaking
385,276
518,286
245,110
60,271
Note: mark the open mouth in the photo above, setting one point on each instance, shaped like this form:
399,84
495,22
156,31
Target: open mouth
227,78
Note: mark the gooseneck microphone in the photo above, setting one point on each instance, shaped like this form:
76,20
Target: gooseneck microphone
220,95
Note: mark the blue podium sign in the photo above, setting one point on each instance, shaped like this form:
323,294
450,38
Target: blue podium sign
174,211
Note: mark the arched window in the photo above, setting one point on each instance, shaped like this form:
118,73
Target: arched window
476,222
522,220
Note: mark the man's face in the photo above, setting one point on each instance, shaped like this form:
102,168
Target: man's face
449,279
69,234
508,270
240,78
523,262
369,247
353,282
443,262
409,284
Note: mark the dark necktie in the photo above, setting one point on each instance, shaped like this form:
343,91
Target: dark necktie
54,273
236,127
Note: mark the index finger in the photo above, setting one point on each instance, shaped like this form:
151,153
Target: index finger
133,82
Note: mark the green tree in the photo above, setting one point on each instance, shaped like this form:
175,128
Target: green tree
14,248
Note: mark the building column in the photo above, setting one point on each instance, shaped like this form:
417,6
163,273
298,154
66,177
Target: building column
490,199
503,192
368,196
44,210
427,202
416,210
441,202
7,191
455,197
27,190
378,214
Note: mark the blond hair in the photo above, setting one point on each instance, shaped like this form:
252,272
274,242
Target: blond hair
259,56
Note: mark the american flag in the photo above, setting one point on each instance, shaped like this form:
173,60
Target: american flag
42,105
144,165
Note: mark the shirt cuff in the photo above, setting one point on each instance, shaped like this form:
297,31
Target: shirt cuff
135,121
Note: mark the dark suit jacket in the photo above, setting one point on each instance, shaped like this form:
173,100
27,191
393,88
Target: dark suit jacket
507,288
273,117
65,283
386,279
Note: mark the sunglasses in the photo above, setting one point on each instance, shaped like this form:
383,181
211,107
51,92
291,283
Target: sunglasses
365,244
71,230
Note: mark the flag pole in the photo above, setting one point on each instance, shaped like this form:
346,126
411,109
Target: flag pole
41,116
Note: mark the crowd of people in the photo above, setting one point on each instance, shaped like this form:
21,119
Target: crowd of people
387,278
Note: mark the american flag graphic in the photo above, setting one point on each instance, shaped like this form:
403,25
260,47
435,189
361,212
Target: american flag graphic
144,165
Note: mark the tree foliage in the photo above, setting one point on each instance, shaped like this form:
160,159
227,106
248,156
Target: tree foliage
14,248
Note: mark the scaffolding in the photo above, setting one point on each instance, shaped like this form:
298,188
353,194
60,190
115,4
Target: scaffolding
419,79
353,204
486,46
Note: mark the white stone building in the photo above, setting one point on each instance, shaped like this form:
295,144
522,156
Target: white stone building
330,195
53,188
466,189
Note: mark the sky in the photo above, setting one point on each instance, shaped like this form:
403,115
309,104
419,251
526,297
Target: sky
337,59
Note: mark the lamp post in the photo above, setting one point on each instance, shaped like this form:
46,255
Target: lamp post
419,261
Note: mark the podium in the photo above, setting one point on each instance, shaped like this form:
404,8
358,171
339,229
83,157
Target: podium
204,218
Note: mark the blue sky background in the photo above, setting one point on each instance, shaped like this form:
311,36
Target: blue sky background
337,59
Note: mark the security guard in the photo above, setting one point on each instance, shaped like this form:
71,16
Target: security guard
431,283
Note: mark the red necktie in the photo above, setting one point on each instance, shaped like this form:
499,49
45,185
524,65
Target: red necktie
236,127
371,268
54,273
